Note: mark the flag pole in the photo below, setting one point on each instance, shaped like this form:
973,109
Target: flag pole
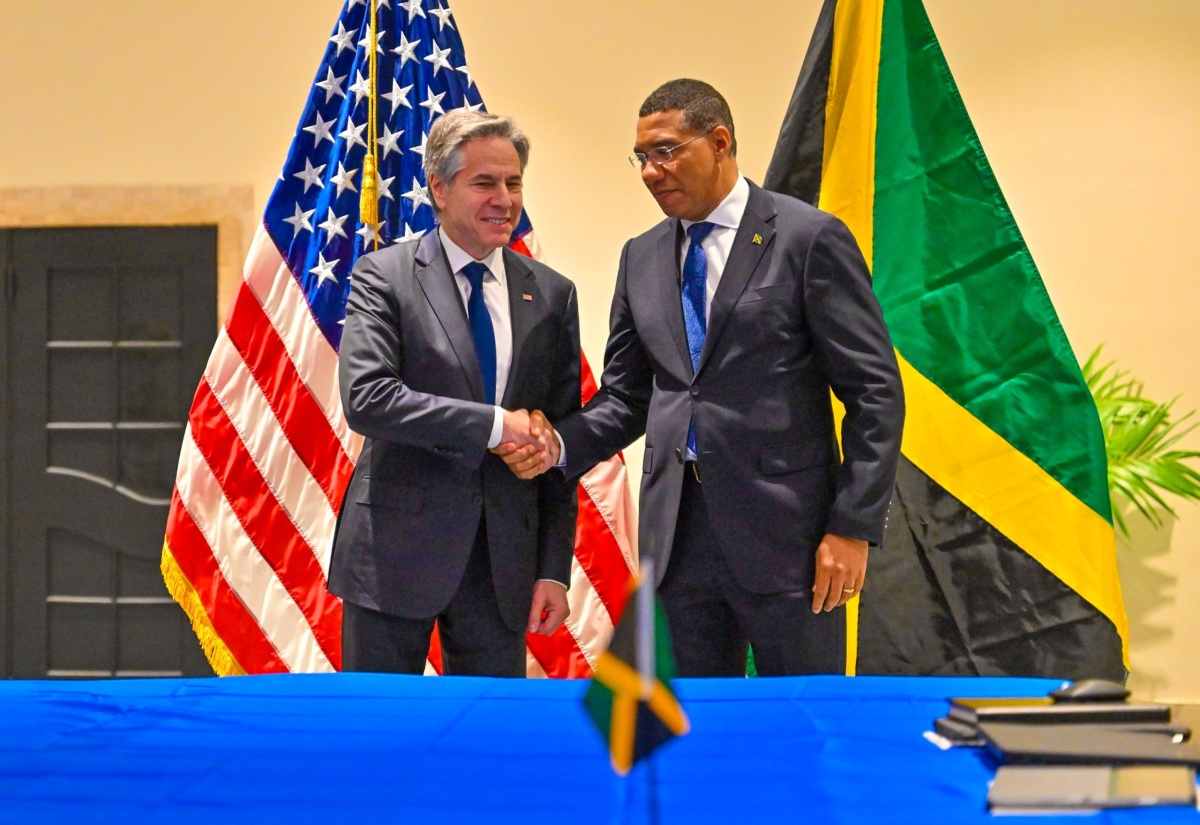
645,630
648,670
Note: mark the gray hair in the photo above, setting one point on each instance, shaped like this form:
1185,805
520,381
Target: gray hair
453,130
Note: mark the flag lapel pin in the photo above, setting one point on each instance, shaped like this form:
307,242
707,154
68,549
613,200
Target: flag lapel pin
525,296
757,239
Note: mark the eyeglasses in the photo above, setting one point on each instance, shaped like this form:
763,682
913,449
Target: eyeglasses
660,155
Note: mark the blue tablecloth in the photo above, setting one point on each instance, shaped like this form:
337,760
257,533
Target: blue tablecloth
413,749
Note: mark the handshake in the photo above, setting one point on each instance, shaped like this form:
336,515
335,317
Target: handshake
528,444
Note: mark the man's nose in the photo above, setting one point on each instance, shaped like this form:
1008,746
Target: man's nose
503,197
651,171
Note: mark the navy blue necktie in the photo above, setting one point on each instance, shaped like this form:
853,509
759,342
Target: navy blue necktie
481,328
695,289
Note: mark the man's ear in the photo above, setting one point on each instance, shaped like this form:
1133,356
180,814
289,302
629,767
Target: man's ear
437,188
721,140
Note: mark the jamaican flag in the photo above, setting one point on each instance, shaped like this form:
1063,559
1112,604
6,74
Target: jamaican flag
999,555
629,698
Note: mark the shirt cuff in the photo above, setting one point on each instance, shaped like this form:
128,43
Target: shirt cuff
562,452
497,429
555,581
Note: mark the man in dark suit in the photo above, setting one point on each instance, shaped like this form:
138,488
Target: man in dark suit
732,321
444,336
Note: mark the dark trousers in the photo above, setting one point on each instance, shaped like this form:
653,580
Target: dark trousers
475,640
712,619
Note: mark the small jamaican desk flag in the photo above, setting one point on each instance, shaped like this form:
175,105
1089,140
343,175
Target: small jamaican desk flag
629,698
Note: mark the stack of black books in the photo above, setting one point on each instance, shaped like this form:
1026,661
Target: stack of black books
1083,747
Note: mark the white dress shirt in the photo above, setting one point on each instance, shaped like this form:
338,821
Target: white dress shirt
495,296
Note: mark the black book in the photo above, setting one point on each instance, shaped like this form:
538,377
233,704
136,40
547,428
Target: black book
960,733
1084,745
1044,710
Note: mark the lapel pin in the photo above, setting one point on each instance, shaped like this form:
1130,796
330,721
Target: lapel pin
525,296
757,239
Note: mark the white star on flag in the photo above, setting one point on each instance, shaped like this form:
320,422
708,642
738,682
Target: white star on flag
344,39
443,16
434,104
299,221
414,9
333,225
398,96
407,50
440,58
311,175
409,234
324,270
321,129
361,88
369,232
353,134
365,43
389,140
343,180
384,185
417,195
332,85
420,148
466,71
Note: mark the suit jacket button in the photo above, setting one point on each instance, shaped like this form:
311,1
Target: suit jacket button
694,391
477,500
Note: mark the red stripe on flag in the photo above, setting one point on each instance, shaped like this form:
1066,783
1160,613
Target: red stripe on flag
230,619
559,654
519,246
303,422
600,556
435,651
587,379
265,522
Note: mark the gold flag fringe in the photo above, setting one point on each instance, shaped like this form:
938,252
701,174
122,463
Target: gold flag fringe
181,590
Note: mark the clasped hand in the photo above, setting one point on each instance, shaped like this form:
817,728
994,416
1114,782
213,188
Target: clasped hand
528,444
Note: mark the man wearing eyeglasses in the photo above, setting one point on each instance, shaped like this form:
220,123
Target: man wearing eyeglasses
732,321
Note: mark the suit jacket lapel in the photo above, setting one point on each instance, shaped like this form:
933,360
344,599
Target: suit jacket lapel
523,315
744,258
436,279
666,264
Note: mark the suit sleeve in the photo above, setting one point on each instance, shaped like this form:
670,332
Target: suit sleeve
616,415
376,400
557,498
857,353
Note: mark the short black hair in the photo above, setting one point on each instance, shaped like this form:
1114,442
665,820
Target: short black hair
703,107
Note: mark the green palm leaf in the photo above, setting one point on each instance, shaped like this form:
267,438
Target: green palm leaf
1140,436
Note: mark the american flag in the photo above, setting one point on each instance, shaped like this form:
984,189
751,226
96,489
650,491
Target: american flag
266,453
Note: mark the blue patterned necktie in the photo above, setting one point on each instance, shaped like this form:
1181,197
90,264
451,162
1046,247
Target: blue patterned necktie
695,289
481,328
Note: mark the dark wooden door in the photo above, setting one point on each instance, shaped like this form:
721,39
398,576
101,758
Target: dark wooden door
106,333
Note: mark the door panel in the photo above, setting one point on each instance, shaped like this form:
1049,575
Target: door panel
108,330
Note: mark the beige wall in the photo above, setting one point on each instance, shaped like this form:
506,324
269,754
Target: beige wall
1088,109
